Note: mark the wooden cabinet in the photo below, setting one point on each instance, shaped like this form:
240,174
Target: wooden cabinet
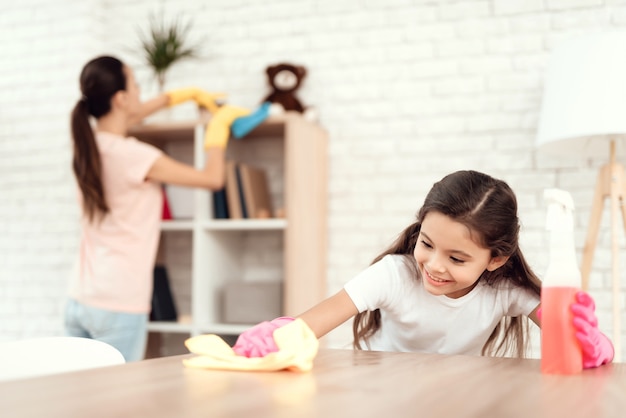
289,249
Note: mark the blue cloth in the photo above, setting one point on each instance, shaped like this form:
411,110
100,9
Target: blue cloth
243,125
125,331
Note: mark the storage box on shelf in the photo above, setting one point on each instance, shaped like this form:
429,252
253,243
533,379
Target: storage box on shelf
289,249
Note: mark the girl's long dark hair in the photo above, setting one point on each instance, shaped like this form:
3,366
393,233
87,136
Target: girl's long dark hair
488,207
100,79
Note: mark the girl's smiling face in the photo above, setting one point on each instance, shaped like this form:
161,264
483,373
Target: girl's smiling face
449,261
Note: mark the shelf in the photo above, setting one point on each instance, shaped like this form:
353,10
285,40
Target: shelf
210,254
185,130
224,329
175,225
272,126
187,328
227,225
175,327
245,224
165,131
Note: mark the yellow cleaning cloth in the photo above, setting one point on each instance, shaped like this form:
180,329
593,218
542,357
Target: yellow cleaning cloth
296,342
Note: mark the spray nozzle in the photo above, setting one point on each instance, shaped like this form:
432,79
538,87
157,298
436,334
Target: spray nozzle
560,210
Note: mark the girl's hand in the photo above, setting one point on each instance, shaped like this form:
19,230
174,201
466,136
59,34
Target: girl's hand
258,341
597,348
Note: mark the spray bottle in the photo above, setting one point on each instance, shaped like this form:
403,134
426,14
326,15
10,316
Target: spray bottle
560,351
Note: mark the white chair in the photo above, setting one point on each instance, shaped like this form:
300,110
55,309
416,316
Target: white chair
50,355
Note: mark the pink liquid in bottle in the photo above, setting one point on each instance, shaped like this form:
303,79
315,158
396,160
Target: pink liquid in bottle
560,351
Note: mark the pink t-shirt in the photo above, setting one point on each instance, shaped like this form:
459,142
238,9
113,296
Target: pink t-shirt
117,254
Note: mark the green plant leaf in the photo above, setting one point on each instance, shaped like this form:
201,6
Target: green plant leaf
166,44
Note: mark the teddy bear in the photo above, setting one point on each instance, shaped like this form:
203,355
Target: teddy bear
285,79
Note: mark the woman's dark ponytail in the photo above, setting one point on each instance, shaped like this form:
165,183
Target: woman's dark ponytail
86,163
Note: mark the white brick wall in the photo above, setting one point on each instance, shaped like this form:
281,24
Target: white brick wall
408,90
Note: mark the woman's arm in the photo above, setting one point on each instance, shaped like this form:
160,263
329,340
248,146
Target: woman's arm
330,313
167,170
149,107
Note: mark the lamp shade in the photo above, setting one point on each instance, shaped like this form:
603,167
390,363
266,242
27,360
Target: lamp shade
584,101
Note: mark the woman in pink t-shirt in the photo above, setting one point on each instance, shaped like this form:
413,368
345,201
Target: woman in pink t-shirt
120,179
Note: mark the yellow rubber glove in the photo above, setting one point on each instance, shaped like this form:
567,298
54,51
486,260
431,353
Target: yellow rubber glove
179,96
209,100
201,97
218,129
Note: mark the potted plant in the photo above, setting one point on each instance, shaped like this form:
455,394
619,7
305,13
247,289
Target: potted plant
165,45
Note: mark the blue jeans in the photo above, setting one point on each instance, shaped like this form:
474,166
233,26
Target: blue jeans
125,331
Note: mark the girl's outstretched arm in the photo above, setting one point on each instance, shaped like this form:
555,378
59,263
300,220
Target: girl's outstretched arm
258,341
330,313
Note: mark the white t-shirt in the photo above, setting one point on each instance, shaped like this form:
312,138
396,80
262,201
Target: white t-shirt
414,320
116,260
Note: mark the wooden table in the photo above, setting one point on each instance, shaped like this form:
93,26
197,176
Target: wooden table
342,384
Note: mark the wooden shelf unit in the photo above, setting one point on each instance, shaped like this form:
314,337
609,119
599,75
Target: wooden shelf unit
298,180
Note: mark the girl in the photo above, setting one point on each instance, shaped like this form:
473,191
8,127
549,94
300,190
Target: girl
454,282
120,189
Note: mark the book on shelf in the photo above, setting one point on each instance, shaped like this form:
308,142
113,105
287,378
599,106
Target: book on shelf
247,192
255,191
220,204
242,197
163,307
233,201
167,212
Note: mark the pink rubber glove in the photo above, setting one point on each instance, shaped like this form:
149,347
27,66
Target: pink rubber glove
258,341
597,348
